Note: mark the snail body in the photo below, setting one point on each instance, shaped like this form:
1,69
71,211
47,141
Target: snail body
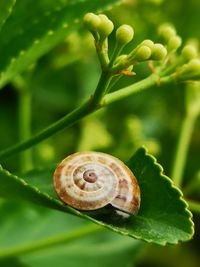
92,180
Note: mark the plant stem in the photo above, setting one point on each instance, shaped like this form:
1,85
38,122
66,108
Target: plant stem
194,206
85,109
172,67
51,241
102,52
182,149
25,126
135,88
117,50
101,87
64,122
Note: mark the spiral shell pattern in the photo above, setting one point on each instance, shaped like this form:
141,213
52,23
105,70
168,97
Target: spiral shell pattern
92,180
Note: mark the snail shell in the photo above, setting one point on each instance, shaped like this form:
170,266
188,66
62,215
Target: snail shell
92,180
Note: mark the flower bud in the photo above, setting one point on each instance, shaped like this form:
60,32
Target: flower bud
124,62
166,31
158,52
91,21
124,34
143,53
190,70
189,52
194,65
174,43
148,43
121,58
105,27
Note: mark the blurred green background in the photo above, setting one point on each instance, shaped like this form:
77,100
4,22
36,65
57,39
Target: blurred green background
59,82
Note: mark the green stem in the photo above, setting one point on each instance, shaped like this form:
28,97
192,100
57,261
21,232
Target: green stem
83,111
172,67
102,52
101,87
135,88
25,127
117,50
51,241
64,122
113,82
194,206
182,149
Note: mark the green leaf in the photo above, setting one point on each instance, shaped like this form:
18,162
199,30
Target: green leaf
26,36
6,7
163,216
30,225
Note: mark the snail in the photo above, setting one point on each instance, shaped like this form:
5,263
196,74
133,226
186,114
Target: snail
92,180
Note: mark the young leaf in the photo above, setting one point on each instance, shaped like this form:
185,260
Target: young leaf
6,7
163,216
26,36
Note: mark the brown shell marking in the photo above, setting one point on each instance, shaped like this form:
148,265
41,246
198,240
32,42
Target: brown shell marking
91,180
128,197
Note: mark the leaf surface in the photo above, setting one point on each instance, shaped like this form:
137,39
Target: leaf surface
6,7
26,36
163,216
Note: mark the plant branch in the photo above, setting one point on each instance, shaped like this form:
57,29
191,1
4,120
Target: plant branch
87,108
182,148
25,126
59,125
101,87
51,241
152,80
172,67
102,52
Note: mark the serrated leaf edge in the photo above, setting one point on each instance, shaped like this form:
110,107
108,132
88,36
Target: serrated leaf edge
61,206
14,59
175,189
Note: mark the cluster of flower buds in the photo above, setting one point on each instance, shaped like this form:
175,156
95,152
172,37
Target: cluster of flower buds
146,50
184,65
101,27
190,70
169,37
